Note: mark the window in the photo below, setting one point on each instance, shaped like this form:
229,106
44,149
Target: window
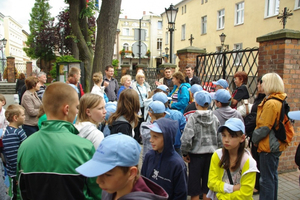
239,13
203,24
221,19
159,25
125,31
126,46
159,43
202,1
297,4
183,32
183,9
237,57
167,38
272,8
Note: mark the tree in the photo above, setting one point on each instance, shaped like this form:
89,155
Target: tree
41,40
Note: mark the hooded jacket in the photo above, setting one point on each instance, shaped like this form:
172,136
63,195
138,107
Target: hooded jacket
143,189
268,112
89,131
225,113
200,134
183,97
167,168
47,162
121,125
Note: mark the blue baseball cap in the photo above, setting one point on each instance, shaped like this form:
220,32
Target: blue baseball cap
110,108
294,115
114,150
202,97
153,127
160,96
157,107
195,88
163,88
233,124
222,96
221,82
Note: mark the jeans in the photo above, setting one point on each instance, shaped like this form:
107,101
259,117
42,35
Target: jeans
268,175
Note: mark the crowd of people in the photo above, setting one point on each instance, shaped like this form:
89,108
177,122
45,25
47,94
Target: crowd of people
62,143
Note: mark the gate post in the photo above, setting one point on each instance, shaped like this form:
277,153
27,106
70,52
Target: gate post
279,52
188,56
28,68
11,70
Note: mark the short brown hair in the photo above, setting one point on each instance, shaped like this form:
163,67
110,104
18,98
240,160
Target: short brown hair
21,76
13,110
179,76
242,75
31,82
97,77
73,71
108,66
190,66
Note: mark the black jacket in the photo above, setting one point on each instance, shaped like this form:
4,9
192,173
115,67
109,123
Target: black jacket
195,80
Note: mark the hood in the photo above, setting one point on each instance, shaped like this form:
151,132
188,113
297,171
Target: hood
185,84
224,112
204,118
280,96
85,128
169,129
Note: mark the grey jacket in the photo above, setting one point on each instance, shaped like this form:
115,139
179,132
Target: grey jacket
225,113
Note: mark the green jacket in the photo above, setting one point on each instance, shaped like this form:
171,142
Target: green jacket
47,162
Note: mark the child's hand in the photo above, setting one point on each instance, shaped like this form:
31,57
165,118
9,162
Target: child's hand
186,158
157,83
236,187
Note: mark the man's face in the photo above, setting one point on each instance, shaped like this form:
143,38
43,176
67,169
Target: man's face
42,79
110,72
189,72
168,74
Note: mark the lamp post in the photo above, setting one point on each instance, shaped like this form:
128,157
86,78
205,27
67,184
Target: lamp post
222,38
2,46
167,50
171,16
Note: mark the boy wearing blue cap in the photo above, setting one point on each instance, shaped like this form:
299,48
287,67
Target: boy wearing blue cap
224,112
221,84
162,164
232,170
198,142
191,108
115,166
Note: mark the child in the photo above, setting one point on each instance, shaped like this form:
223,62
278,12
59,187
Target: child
126,116
232,169
224,112
3,121
221,84
115,164
156,111
97,88
91,113
53,153
12,139
162,164
198,142
110,108
191,108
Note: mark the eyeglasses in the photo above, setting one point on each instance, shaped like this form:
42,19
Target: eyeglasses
260,81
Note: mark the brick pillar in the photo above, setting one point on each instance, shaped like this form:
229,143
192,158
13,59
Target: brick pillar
279,52
188,56
11,77
28,68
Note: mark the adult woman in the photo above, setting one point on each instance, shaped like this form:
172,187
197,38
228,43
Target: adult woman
19,85
31,102
269,147
126,82
180,94
97,88
241,91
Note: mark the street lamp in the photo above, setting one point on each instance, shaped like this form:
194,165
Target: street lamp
2,46
222,38
171,16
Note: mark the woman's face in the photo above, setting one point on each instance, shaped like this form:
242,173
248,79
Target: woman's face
98,113
141,80
260,89
127,83
37,87
238,81
175,81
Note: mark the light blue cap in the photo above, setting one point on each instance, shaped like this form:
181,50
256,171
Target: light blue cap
195,88
110,108
233,124
157,107
294,115
163,88
202,97
222,96
221,82
114,150
153,127
160,96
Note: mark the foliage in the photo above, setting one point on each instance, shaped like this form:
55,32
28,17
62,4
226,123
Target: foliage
148,53
53,72
62,59
115,62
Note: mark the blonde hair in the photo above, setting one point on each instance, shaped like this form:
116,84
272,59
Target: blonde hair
272,83
73,71
138,75
13,110
88,101
124,78
97,77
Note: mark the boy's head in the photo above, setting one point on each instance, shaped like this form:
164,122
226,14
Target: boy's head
164,88
222,98
195,88
2,101
221,84
75,72
114,163
202,99
62,102
157,110
162,97
15,114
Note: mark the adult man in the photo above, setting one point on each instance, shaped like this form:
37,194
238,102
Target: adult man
112,89
47,160
190,78
42,80
167,80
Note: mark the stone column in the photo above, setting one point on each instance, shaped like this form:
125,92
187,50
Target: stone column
279,52
188,56
28,68
11,77
125,68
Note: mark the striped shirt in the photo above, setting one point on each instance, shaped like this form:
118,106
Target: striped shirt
12,139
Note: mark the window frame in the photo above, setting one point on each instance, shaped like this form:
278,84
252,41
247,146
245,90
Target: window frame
159,25
159,44
237,57
221,19
123,30
204,25
183,26
297,4
275,8
239,13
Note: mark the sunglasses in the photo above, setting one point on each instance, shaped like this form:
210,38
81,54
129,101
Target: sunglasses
260,81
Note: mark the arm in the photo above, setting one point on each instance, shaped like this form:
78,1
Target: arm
187,136
180,185
116,87
22,135
183,99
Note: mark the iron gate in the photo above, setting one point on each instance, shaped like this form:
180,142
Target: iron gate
213,66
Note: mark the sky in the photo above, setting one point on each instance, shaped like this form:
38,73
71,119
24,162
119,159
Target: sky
20,10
